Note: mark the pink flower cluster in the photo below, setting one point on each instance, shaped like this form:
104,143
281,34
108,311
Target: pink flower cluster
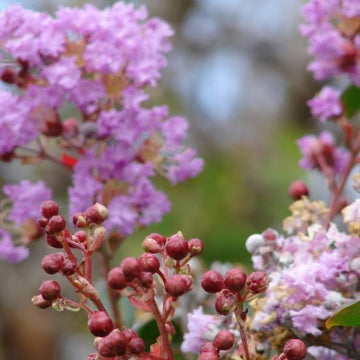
100,62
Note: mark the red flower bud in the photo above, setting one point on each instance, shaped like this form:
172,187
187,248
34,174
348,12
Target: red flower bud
208,356
68,268
298,189
100,323
196,247
149,262
97,213
8,76
177,285
176,247
56,224
146,279
208,347
42,222
235,280
49,208
40,302
131,267
52,263
50,290
154,243
136,346
112,345
269,235
257,282
224,340
79,220
129,334
53,242
79,236
225,303
295,349
117,279
212,281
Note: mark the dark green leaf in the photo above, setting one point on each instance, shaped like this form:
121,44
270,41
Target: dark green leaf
348,315
351,100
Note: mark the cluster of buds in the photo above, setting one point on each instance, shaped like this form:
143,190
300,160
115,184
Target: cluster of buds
294,349
233,289
224,340
111,342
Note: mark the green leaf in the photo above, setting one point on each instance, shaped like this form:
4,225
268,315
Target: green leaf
348,315
351,100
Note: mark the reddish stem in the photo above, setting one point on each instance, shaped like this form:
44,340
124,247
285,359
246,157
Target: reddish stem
240,322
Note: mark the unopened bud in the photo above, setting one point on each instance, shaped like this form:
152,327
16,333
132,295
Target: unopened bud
131,267
298,189
225,303
98,238
270,235
149,262
50,290
146,279
56,224
79,220
235,280
176,247
100,323
212,281
136,346
49,208
295,349
8,76
53,242
196,247
208,347
224,340
129,334
68,268
52,263
116,279
177,285
40,302
257,282
79,236
97,213
42,222
208,356
113,344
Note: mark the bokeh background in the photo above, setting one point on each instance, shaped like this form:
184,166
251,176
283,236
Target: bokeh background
238,73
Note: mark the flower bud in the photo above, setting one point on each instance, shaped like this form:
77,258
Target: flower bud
49,208
295,349
98,238
42,222
79,220
225,303
131,267
136,346
56,224
129,334
113,344
149,262
212,281
40,302
235,280
196,247
177,285
70,128
52,263
270,235
50,290
68,268
53,242
154,243
8,76
298,189
208,347
257,282
146,279
176,247
79,236
100,323
116,279
224,340
208,356
97,213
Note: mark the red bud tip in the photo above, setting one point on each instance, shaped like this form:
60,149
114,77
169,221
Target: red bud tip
298,189
176,247
212,281
49,208
235,280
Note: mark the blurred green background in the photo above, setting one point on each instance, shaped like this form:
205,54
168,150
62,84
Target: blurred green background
238,73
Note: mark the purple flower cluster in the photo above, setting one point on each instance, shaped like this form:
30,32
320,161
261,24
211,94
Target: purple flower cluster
101,62
312,274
